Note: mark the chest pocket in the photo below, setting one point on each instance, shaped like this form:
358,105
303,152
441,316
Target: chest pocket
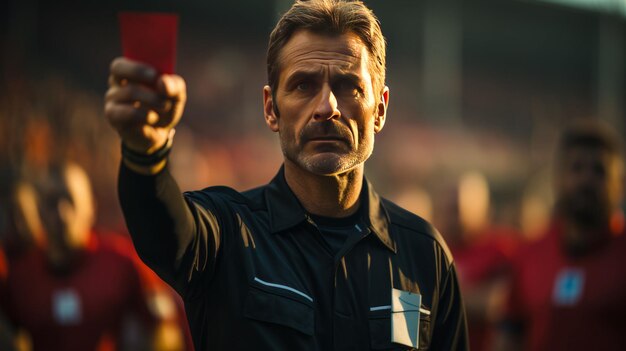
279,305
380,331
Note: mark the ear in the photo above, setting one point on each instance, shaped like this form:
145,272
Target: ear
381,110
268,109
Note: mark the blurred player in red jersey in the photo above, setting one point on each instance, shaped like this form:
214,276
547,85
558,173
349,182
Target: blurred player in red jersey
77,291
569,288
482,251
20,230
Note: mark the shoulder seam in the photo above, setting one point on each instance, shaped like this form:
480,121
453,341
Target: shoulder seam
229,194
423,227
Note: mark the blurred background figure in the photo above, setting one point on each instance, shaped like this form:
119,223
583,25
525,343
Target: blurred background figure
21,225
20,231
569,288
482,249
67,288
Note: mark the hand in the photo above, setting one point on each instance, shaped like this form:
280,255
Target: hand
142,106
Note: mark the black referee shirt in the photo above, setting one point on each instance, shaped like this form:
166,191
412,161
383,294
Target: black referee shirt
255,273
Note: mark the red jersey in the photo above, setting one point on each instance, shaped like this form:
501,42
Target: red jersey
80,310
481,263
486,259
569,303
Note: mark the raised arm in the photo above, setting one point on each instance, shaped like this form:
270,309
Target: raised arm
144,108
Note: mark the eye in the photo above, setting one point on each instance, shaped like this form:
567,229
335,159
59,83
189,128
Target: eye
303,86
347,87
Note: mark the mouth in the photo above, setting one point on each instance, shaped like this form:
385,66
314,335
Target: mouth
327,139
326,134
332,142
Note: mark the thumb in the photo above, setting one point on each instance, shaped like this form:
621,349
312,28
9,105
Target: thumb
173,91
172,86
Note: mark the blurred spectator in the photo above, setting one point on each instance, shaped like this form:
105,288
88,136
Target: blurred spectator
20,229
20,224
569,287
482,251
74,290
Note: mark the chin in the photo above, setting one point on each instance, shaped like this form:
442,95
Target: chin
327,164
588,215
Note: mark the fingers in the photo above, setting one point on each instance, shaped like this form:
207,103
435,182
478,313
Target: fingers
141,105
123,69
138,95
135,125
129,102
128,116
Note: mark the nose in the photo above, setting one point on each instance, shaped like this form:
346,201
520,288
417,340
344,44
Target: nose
593,172
326,106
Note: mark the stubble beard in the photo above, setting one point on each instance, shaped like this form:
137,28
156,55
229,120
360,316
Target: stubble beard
326,163
590,211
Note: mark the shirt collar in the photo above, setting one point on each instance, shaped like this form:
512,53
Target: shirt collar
285,210
377,215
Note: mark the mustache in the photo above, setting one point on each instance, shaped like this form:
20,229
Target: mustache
325,130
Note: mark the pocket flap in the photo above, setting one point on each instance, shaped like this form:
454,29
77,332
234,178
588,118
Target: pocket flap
273,308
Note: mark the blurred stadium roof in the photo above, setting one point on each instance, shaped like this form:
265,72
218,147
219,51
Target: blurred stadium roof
609,6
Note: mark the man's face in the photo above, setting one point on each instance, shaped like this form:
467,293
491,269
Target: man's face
67,213
589,184
329,112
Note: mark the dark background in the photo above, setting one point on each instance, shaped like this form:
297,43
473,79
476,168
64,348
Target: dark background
476,86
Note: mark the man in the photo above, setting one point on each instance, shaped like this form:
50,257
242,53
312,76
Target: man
482,251
20,230
315,260
569,288
76,291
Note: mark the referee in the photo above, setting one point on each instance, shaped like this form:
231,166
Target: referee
316,259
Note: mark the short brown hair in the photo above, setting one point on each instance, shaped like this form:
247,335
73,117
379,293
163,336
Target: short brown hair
590,133
331,17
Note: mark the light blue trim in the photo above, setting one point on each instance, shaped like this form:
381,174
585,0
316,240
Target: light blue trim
380,308
280,286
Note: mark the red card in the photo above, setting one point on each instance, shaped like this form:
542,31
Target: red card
150,37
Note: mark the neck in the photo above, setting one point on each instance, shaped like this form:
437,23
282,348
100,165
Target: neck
64,263
329,196
580,238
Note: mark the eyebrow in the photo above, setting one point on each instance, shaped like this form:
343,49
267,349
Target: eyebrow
301,75
349,76
312,74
